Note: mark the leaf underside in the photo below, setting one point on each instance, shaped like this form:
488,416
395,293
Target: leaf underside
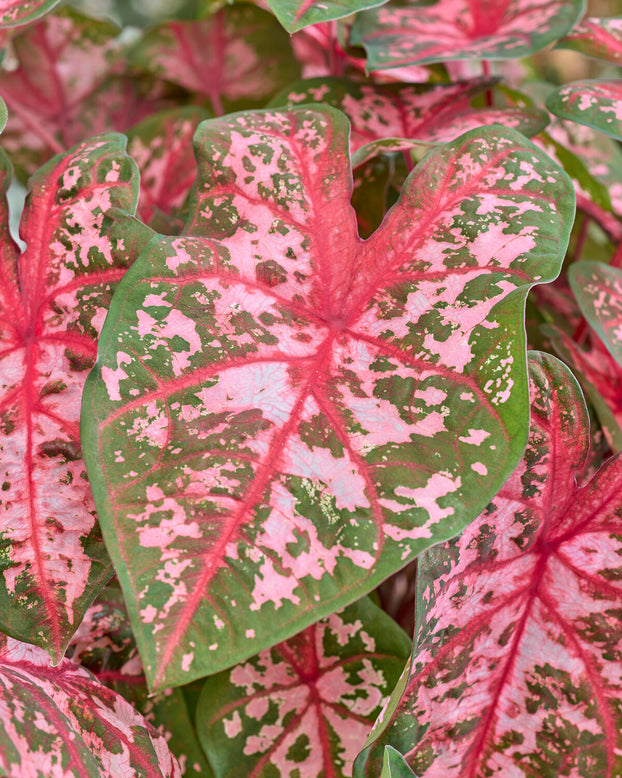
516,669
282,414
53,300
424,32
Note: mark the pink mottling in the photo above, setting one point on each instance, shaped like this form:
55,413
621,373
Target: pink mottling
475,437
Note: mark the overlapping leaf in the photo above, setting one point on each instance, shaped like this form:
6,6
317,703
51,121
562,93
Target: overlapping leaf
62,721
162,147
598,290
434,113
600,38
16,12
517,668
294,15
53,300
67,87
283,414
596,103
305,706
238,57
425,31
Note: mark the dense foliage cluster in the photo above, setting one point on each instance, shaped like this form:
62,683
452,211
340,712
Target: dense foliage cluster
310,391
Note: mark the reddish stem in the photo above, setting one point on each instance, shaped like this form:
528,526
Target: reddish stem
335,58
486,73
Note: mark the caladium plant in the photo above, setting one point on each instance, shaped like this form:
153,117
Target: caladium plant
305,329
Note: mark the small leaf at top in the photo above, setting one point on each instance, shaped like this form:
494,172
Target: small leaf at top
237,57
517,666
601,38
16,12
598,290
596,103
304,707
282,414
53,301
294,15
426,31
62,722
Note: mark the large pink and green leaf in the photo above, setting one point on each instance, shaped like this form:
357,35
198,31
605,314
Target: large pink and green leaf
425,31
60,721
517,666
434,113
283,414
16,12
598,290
595,37
238,57
305,706
595,103
53,300
294,15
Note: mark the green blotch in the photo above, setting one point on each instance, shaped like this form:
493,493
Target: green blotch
270,273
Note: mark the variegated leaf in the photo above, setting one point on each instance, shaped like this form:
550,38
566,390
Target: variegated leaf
598,290
162,147
62,722
434,113
425,31
305,706
596,103
16,12
394,765
53,300
595,37
517,667
238,57
3,114
294,15
66,88
282,414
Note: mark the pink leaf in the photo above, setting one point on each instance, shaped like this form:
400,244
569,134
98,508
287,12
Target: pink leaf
237,57
305,706
425,31
283,414
303,13
596,103
53,300
600,38
517,663
16,12
60,721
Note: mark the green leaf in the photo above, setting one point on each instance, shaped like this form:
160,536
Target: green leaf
595,103
282,414
17,12
305,706
394,765
601,38
295,15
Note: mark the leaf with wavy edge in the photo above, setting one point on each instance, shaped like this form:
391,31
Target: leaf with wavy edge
237,57
62,721
517,667
161,145
16,12
283,414
423,32
53,301
598,290
596,37
595,103
434,113
305,706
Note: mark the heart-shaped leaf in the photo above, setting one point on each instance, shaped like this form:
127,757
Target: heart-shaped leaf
598,290
600,38
16,12
161,146
517,667
53,300
425,31
62,721
305,706
282,414
238,57
434,113
294,15
596,103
